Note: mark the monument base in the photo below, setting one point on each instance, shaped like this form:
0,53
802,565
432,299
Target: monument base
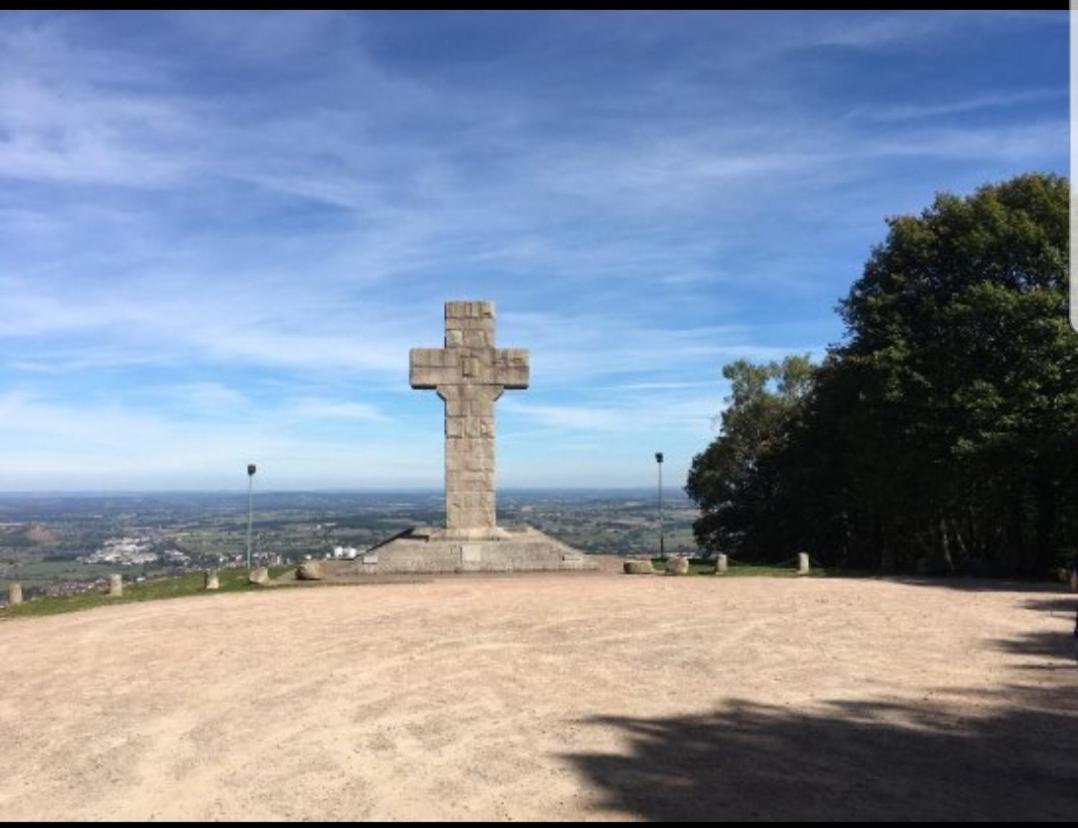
424,551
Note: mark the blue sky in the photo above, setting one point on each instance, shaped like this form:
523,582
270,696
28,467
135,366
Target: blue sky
221,233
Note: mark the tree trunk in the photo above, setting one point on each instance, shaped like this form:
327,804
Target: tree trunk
1016,548
1045,507
945,545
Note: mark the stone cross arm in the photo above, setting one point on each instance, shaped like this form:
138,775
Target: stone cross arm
431,367
469,356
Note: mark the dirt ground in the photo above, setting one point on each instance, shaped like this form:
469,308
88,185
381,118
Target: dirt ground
549,697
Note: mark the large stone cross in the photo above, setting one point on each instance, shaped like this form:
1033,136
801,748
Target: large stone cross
469,374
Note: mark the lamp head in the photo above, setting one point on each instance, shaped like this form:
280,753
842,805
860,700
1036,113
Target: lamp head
658,457
251,469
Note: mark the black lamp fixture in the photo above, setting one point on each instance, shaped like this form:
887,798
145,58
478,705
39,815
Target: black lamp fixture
662,546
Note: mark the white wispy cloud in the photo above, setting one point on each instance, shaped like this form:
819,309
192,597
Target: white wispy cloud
335,410
212,398
102,444
226,231
654,413
912,111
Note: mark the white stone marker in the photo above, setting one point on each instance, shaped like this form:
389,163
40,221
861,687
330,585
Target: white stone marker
212,581
638,567
720,565
14,594
677,565
802,563
469,374
116,586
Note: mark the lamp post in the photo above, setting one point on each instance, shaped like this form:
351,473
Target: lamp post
662,548
250,483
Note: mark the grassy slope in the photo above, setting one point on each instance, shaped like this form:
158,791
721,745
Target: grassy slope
231,580
235,580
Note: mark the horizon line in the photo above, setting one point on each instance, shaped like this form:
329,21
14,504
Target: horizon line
369,490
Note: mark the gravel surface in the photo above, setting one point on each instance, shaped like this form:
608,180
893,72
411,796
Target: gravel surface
550,697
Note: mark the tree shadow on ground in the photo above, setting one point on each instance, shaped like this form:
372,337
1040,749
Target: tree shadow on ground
969,583
1066,604
1059,648
855,760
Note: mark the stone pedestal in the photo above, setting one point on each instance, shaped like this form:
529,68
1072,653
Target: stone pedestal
720,565
259,575
116,586
802,563
14,594
211,580
469,374
424,551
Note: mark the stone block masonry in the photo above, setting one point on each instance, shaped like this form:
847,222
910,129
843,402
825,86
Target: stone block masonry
469,374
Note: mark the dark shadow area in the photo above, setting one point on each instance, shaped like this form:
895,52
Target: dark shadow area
1057,647
1063,605
966,583
859,761
410,532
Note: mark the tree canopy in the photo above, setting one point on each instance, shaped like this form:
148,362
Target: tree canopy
942,432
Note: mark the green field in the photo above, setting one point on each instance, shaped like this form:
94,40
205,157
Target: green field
32,573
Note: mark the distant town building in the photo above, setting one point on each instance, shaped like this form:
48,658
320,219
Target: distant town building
130,551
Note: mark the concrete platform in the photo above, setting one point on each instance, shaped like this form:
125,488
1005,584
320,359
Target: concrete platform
420,550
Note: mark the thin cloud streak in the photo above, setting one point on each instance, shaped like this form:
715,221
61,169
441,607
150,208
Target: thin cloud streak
232,228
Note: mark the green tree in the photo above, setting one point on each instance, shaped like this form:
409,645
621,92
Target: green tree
967,376
736,480
942,433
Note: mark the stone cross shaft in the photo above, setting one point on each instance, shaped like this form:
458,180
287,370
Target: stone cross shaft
469,373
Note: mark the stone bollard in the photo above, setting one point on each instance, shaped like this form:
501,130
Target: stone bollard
14,594
309,571
638,567
720,565
802,563
677,566
259,575
116,586
212,581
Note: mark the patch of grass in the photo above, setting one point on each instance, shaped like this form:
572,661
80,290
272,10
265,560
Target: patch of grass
703,566
32,573
231,580
772,571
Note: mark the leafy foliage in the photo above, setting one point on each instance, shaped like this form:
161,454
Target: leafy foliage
736,481
942,433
